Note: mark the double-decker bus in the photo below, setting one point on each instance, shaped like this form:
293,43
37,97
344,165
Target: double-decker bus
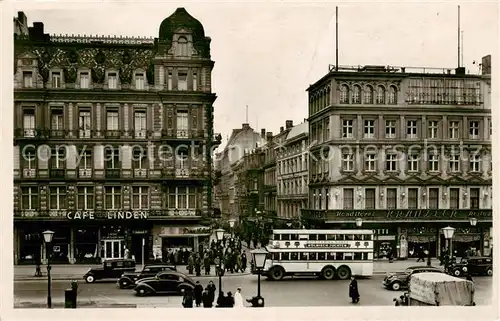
327,253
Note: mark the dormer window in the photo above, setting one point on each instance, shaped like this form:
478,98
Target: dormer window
139,81
84,80
56,79
112,80
28,79
182,47
182,81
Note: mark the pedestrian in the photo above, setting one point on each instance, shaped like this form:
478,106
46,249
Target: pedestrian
190,264
396,302
206,299
187,300
239,264
206,264
126,253
244,261
238,299
421,255
211,291
469,278
229,300
221,300
353,290
198,291
197,265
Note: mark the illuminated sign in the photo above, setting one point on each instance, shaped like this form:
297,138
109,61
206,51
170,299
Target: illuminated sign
327,245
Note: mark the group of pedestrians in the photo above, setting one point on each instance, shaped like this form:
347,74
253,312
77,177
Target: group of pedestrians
206,296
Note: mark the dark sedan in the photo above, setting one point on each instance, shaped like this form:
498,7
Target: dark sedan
398,280
127,280
168,282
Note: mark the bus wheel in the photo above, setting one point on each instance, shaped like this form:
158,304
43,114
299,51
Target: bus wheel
328,273
343,272
277,273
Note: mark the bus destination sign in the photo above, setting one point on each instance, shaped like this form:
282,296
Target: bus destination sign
326,245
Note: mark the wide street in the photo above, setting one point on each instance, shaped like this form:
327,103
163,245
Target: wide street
285,293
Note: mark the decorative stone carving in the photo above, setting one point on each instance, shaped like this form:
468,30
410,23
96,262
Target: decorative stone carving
125,75
98,74
126,57
100,58
70,74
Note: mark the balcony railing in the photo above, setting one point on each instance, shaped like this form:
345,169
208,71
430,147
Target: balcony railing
29,133
182,133
140,134
84,133
113,173
29,173
85,173
181,172
57,173
57,133
140,172
113,134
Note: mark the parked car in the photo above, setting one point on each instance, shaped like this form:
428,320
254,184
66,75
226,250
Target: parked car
167,282
110,269
398,280
127,280
474,265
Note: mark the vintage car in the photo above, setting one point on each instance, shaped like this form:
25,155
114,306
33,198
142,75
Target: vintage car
398,280
167,282
473,265
127,280
110,269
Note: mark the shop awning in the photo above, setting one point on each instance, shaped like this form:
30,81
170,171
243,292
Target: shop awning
184,231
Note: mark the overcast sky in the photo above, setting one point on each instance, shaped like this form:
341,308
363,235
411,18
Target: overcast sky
267,54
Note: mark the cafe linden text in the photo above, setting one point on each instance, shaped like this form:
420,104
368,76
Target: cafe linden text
110,215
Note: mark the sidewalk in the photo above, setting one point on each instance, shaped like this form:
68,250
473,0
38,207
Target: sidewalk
383,266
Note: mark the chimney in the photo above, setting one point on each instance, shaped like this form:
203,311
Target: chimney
289,124
245,126
263,133
269,136
486,65
22,18
282,129
460,71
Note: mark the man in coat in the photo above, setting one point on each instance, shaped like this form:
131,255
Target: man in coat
187,300
190,263
244,261
198,291
206,299
353,290
206,263
211,291
197,264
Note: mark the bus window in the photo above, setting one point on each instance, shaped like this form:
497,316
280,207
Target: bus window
339,256
357,256
367,237
339,237
357,237
330,256
365,256
348,256
303,237
285,237
276,237
285,256
294,256
313,256
276,256
294,237
321,237
330,237
313,237
349,237
321,256
303,256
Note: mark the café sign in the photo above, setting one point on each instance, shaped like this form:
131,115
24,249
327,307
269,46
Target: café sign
110,215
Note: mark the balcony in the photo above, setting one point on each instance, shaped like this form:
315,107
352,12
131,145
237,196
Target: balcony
57,133
182,133
181,172
29,173
57,173
183,212
140,134
140,172
85,173
29,133
113,173
113,134
84,133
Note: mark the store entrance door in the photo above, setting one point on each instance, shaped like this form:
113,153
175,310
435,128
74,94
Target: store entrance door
113,249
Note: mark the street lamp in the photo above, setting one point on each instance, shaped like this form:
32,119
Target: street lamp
231,225
259,259
47,237
473,221
448,234
219,233
359,222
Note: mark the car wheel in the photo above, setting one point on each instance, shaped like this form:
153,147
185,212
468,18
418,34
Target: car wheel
343,273
396,286
457,272
124,284
90,279
277,273
489,272
328,273
142,292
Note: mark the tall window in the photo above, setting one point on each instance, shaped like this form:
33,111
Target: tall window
29,122
454,198
390,162
56,80
140,159
112,158
112,80
84,123
454,129
169,80
57,119
368,93
112,120
380,95
58,158
369,198
195,81
182,197
29,198
326,130
85,198
181,160
140,123
182,47
433,198
390,129
348,161
182,81
392,98
454,163
348,198
113,199
474,129
475,163
28,79
29,158
84,80
139,81
344,94
356,95
85,163
369,128
411,129
433,129
347,128
57,197
391,198
140,197
370,165
413,162
182,124
474,198
412,198
433,162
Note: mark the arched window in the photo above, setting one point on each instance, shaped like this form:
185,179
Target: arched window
328,96
356,95
368,95
344,94
393,93
182,47
380,95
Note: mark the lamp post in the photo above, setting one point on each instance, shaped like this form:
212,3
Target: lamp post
219,233
473,222
259,259
47,237
448,234
231,225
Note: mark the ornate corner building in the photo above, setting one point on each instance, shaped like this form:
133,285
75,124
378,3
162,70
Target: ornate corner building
407,151
113,140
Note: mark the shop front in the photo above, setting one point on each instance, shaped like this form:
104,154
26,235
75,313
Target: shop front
175,238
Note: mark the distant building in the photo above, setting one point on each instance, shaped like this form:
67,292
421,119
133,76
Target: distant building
408,152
